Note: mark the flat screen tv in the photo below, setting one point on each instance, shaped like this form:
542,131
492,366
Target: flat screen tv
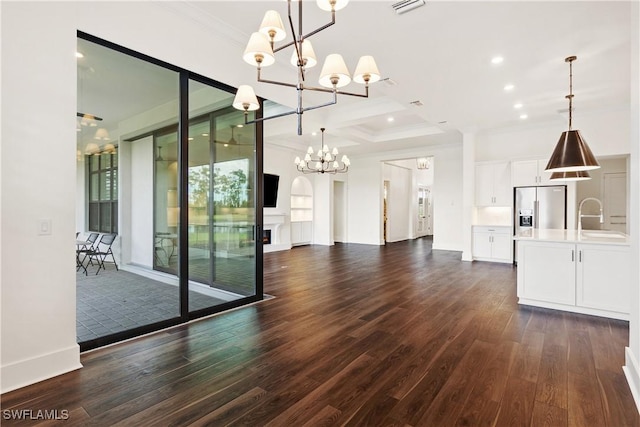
270,193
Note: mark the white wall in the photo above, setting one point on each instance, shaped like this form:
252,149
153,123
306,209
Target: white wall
38,164
606,132
365,195
141,226
632,368
38,179
279,162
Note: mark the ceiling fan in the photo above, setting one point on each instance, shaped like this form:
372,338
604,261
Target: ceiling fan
232,141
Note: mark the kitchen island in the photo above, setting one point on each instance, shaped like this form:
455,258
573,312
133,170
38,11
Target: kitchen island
583,272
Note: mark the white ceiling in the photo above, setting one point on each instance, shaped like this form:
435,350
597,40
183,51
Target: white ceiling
440,54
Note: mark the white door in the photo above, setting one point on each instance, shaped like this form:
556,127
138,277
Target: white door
422,211
339,212
615,201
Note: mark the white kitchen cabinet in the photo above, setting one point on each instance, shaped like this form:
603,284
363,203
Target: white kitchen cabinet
301,232
547,272
584,278
530,173
492,243
603,277
493,187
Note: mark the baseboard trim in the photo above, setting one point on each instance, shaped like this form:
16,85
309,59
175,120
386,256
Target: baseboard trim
30,371
632,373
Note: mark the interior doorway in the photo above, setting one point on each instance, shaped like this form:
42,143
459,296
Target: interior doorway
425,212
339,212
385,197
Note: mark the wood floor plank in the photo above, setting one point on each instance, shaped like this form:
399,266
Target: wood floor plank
583,408
516,407
552,378
545,415
618,406
393,335
450,401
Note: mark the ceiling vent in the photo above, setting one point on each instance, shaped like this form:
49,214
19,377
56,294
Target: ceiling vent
406,5
417,103
389,82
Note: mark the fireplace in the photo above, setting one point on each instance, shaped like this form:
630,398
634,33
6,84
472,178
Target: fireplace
273,227
266,237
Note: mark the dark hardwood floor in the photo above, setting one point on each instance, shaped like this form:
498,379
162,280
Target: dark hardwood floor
359,335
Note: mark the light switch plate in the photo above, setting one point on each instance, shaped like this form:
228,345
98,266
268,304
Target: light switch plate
44,227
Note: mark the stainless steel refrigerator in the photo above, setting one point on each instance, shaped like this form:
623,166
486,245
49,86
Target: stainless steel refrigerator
539,207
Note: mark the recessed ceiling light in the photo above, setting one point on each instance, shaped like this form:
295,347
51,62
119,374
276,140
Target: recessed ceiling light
79,55
240,126
517,106
497,60
190,138
314,133
205,134
523,116
389,119
509,87
226,145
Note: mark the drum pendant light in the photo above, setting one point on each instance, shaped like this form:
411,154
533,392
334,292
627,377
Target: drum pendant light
572,154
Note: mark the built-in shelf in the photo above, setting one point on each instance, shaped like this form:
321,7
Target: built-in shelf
301,212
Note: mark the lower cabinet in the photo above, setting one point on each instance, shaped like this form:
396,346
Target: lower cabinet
301,232
583,278
492,243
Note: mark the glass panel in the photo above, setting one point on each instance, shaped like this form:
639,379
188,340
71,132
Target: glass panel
94,163
105,217
221,201
94,217
114,217
105,185
167,211
120,93
94,185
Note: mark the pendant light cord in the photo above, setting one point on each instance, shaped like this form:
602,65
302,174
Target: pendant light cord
570,60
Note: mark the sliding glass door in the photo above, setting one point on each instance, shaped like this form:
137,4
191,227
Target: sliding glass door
222,220
184,207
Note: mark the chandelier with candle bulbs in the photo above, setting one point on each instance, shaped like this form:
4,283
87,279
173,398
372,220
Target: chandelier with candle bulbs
260,52
324,161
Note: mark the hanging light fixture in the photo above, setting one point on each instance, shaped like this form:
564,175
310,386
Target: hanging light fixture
260,52
324,161
572,154
570,176
423,163
102,134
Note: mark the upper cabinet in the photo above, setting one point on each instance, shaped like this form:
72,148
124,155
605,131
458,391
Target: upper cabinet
493,184
529,173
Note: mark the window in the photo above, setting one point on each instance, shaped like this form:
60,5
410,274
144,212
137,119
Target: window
102,184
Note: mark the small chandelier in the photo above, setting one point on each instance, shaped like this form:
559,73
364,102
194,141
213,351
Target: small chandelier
324,161
423,163
572,154
260,53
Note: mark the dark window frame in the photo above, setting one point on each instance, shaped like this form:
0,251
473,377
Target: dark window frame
110,203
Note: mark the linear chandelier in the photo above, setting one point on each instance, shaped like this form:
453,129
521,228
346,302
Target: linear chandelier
325,161
260,52
572,154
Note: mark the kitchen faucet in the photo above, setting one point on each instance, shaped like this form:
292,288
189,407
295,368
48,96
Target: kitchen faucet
580,216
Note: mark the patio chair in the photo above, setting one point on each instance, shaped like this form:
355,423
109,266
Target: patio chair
102,250
86,249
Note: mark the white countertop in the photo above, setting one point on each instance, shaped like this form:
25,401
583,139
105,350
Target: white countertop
571,236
